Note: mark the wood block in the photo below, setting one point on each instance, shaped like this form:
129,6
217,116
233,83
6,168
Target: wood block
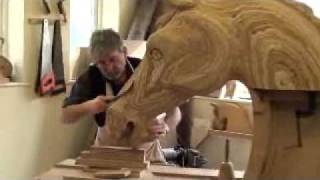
94,169
115,174
112,163
116,148
118,153
136,173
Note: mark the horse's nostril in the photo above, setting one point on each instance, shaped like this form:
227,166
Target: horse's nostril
130,125
129,129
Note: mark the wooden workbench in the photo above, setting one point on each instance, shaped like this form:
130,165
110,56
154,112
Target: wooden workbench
57,173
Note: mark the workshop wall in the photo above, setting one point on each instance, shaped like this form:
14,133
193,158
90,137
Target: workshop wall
32,137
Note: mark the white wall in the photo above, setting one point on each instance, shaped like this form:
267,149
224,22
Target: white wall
116,14
16,37
31,136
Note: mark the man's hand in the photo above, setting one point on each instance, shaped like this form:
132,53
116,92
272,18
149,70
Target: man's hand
158,126
98,104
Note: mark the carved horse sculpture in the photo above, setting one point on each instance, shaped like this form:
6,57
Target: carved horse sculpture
270,45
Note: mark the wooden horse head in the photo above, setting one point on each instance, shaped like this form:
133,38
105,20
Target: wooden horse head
267,44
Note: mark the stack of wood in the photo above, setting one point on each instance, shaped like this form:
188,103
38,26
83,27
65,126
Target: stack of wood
113,162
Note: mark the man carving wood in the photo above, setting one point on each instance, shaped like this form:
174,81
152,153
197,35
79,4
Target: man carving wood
97,87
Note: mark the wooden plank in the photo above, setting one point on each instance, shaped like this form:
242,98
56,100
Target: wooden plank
112,163
115,174
115,149
189,172
135,173
230,134
131,156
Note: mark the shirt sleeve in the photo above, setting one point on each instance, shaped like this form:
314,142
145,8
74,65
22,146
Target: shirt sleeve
80,93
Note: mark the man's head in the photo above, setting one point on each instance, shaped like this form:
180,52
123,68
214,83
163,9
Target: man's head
108,53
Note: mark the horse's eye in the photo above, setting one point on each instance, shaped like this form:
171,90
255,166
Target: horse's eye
155,54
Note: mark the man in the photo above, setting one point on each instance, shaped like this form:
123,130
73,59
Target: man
103,80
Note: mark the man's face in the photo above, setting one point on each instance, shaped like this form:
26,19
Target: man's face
112,65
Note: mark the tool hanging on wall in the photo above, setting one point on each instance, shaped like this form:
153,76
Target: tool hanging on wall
50,78
50,14
45,80
62,10
46,6
57,59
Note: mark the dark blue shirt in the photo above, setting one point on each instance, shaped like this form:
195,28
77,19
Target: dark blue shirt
92,84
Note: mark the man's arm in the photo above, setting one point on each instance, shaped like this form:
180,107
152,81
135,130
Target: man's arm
72,113
173,118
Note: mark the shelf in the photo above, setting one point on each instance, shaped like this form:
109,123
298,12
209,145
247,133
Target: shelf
14,84
51,19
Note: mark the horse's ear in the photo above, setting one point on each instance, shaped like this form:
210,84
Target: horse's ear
182,4
304,9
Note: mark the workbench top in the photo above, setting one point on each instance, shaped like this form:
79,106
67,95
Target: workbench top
176,173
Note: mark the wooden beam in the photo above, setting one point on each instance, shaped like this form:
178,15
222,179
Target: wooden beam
142,19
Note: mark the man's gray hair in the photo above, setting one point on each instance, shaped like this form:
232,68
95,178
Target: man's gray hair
104,41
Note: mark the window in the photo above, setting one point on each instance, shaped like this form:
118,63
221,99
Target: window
3,27
234,89
315,5
82,24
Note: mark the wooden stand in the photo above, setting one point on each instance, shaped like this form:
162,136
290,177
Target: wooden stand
286,136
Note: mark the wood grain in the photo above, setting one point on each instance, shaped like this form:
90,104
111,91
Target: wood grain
278,152
205,44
